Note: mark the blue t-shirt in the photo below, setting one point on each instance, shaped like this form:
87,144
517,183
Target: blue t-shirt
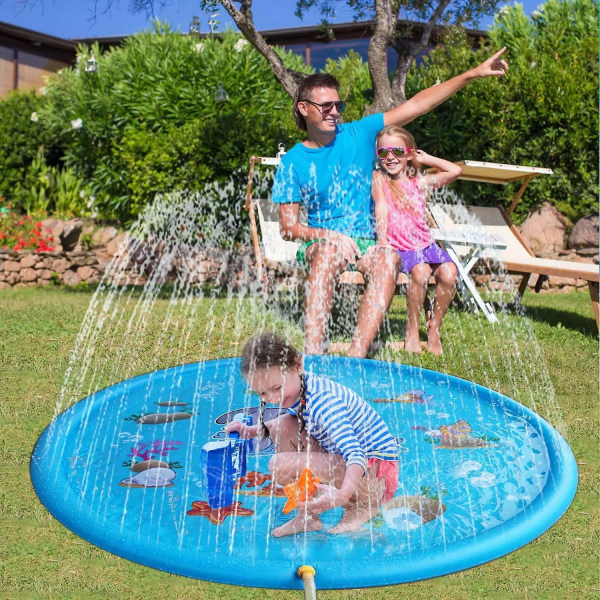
334,182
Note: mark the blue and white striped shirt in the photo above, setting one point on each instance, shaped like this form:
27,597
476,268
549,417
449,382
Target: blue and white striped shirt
343,423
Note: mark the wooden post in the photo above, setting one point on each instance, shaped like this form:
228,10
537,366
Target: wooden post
593,286
514,230
15,68
249,206
519,194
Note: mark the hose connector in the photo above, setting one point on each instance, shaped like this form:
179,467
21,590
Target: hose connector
307,574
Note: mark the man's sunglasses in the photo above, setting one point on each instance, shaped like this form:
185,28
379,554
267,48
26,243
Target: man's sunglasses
397,151
327,107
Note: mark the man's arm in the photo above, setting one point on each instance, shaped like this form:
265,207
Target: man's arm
425,100
292,229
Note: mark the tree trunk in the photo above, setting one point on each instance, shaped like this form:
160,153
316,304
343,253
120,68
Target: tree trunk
408,51
288,78
383,36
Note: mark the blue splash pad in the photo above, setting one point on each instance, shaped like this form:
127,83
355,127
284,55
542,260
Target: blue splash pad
480,476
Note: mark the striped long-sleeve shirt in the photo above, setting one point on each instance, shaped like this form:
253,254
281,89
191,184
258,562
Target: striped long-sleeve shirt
343,423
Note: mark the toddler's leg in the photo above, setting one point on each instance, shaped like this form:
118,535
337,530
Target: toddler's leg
363,505
285,468
446,276
415,296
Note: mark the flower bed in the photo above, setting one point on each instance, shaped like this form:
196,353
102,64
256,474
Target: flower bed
20,232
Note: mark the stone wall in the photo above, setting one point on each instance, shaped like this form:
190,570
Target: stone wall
233,268
73,262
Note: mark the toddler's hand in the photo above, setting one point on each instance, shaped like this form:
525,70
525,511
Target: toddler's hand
239,427
329,497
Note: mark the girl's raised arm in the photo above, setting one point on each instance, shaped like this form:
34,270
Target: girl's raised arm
446,173
381,208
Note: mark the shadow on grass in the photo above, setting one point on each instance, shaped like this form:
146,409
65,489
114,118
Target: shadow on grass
164,293
562,318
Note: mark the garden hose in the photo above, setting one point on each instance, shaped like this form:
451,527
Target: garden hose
307,574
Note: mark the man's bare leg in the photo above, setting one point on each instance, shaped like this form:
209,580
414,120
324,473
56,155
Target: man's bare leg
325,263
380,267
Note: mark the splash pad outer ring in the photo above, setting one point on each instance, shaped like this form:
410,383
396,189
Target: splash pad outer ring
52,483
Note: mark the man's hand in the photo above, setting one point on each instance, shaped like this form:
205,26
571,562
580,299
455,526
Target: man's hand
346,246
493,66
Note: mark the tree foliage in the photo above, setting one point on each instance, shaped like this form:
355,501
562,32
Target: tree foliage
166,112
542,113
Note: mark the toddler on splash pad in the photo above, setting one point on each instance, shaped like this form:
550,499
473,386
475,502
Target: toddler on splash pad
328,429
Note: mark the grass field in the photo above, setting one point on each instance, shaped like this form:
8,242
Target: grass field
547,360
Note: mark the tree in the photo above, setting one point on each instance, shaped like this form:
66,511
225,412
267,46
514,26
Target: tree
406,26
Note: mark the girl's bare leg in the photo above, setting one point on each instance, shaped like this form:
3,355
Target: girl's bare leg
446,276
415,296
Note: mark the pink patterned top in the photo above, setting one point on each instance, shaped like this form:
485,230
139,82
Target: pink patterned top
407,229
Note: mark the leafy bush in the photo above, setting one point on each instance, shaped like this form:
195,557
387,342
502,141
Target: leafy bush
21,138
543,112
355,83
151,119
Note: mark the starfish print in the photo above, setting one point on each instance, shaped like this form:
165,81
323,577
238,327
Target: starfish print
253,479
217,515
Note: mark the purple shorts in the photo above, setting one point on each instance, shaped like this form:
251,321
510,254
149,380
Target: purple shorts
432,255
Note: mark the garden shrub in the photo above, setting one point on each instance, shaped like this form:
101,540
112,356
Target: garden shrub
542,113
21,140
20,232
355,83
151,121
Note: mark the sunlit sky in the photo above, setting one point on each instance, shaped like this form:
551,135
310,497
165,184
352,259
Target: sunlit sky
77,19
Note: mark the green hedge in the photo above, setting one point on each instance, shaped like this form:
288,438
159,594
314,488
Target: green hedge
543,112
151,120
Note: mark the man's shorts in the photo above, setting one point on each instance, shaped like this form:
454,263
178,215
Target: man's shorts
363,245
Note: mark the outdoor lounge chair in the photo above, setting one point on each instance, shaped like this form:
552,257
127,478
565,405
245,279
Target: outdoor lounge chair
516,257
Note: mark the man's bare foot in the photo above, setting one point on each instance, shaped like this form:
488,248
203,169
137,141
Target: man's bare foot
353,519
412,343
300,524
434,342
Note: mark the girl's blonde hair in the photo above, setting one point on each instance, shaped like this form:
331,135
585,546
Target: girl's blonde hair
412,166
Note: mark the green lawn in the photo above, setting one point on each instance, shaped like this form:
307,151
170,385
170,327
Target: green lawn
547,360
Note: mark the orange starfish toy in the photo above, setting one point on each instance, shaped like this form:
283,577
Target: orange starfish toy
300,491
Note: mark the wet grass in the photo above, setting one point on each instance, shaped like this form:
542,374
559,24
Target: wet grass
547,360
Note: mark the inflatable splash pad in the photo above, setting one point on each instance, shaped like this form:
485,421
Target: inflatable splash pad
480,476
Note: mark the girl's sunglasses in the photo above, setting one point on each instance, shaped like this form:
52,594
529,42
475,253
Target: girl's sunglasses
397,151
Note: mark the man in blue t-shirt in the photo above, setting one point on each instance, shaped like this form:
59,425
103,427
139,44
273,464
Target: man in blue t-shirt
330,174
